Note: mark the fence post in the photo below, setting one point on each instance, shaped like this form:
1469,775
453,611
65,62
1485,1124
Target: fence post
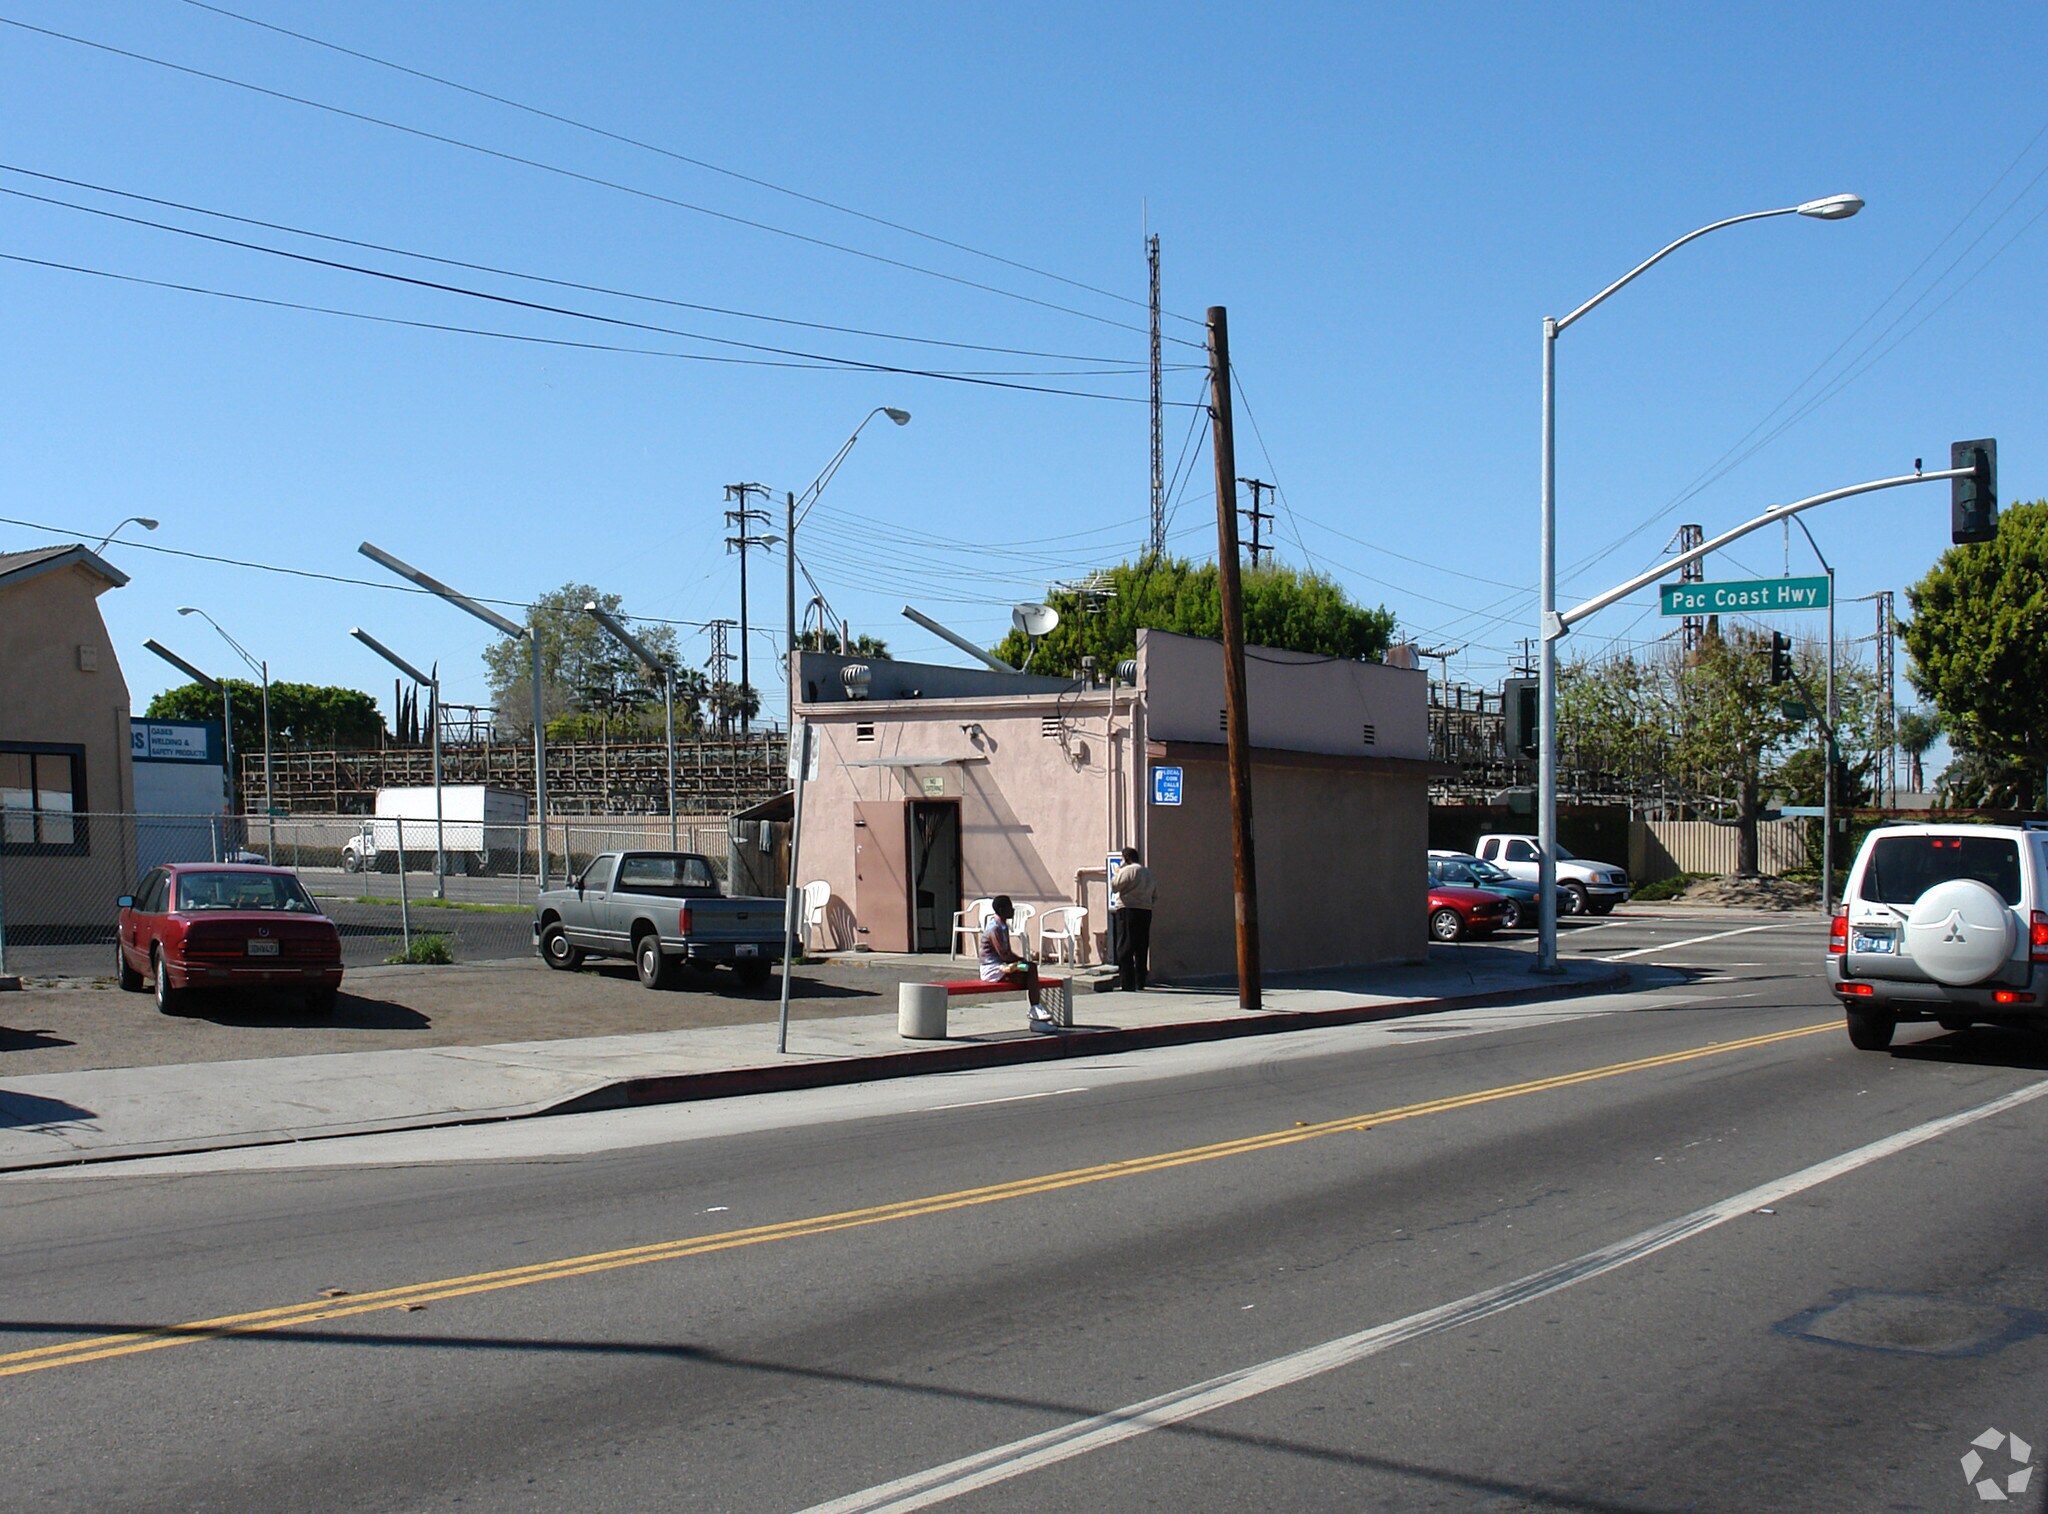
404,908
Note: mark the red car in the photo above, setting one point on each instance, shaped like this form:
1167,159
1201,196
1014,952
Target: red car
200,925
1457,912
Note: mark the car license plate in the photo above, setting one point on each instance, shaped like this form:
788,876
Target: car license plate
1882,944
747,950
262,948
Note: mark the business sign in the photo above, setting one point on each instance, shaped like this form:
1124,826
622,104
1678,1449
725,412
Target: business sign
173,741
1761,595
1166,785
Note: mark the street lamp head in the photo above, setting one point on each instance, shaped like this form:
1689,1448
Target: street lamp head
1833,208
900,417
145,522
189,610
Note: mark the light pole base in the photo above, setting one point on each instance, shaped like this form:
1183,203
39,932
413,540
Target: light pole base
1547,969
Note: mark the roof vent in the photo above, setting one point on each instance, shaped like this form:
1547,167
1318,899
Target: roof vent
857,678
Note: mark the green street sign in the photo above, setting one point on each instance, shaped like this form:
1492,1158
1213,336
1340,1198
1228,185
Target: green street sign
1760,595
1792,709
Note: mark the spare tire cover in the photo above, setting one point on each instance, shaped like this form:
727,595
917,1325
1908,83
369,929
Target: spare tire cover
1960,932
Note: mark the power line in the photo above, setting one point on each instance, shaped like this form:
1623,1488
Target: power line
842,365
513,273
670,153
594,180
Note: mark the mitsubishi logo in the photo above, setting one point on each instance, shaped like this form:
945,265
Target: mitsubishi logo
1955,929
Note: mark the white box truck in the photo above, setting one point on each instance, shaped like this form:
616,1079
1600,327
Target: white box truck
483,830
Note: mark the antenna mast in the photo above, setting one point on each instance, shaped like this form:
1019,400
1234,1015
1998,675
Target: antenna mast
1158,419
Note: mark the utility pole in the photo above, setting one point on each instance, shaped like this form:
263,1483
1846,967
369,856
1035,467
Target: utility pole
743,519
1256,515
1887,712
1158,413
1693,627
1235,710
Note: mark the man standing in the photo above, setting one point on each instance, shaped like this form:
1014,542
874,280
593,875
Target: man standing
1132,888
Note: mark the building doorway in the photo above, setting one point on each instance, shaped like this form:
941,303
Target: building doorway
934,873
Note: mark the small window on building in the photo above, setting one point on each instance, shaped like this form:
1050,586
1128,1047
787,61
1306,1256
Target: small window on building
1049,727
865,731
41,789
1371,734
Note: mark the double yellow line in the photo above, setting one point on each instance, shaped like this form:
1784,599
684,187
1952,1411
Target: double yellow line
133,1343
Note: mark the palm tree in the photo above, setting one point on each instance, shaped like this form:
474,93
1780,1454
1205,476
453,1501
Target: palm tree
1916,731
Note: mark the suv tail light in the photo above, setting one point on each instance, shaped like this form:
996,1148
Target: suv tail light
1838,931
2037,938
683,920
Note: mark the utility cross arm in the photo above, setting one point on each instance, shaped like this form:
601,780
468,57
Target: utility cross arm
1564,622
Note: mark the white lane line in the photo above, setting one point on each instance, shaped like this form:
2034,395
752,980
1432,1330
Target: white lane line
999,1464
1719,935
1017,1098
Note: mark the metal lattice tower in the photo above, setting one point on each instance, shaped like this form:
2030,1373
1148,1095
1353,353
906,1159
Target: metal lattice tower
1887,710
1158,415
1694,626
720,660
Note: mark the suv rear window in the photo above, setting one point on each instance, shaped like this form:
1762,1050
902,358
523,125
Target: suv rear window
1902,868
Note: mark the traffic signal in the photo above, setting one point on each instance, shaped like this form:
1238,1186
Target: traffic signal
1522,717
1973,499
1781,657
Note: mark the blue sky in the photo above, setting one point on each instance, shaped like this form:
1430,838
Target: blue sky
1387,200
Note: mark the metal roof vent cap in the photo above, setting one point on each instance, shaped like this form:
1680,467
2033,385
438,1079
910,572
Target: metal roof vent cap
857,678
1127,671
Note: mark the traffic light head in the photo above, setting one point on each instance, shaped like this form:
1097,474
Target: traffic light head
1781,657
1524,718
1973,498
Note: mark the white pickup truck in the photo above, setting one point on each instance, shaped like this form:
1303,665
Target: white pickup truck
1584,887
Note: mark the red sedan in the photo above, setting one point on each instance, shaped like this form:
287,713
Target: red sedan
1457,912
200,925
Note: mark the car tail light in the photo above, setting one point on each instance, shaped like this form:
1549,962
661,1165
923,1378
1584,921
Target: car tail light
1838,933
1855,990
683,920
2007,996
2037,938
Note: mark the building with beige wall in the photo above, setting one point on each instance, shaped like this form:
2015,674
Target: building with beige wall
936,786
67,843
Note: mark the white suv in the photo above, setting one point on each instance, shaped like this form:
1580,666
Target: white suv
1945,923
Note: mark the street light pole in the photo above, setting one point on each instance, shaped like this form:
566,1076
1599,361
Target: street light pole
791,520
432,679
1548,628
504,627
262,670
653,664
1829,747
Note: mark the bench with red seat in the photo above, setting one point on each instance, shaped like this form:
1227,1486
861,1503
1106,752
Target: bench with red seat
916,1024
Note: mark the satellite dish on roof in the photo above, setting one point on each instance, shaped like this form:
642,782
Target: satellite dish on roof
1034,620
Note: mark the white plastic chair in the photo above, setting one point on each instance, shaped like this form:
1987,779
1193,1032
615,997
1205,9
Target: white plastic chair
1060,932
817,895
976,912
1020,928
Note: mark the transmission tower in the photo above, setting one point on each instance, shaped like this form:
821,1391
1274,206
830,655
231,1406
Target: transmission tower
720,660
1693,627
1887,712
744,519
1158,414
1255,515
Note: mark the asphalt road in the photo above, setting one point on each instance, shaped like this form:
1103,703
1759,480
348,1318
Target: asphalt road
1680,1249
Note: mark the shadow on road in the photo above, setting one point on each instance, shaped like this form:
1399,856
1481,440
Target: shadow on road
285,1008
1981,1046
30,1040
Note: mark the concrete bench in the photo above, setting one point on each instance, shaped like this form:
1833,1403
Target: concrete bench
921,1007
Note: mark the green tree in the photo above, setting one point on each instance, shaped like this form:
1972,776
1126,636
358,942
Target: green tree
1283,607
1617,717
576,654
1979,639
301,714
871,647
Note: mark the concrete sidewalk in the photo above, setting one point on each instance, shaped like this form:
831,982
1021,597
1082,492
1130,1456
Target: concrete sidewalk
66,1118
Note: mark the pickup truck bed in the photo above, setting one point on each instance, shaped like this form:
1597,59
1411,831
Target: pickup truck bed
661,911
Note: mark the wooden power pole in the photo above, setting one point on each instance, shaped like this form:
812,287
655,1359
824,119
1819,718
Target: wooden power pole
1235,713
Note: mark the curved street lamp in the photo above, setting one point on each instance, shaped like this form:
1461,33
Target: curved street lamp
794,517
141,520
1548,629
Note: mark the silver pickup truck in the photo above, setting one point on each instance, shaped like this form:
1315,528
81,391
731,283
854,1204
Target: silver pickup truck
661,910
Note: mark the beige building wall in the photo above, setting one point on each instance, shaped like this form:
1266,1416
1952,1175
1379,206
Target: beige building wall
61,684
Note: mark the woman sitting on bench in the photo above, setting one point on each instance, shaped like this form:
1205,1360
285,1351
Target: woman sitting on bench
1000,961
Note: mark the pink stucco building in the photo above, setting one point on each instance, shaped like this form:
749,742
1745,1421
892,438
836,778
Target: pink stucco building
938,785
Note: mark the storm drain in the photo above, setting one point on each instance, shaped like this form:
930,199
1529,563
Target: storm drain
1913,1324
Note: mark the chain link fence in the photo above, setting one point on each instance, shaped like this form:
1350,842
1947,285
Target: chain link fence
382,880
